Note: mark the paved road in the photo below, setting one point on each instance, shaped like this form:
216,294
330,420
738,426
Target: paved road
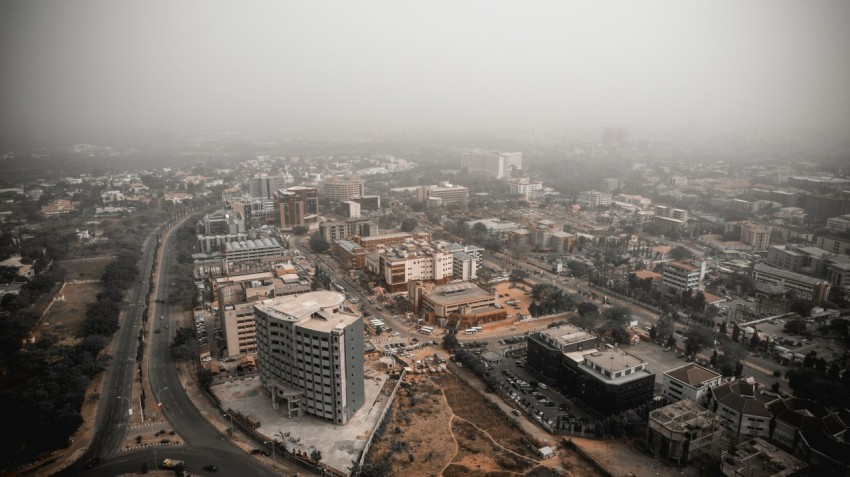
203,443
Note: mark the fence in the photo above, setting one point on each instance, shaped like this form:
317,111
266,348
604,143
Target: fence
380,421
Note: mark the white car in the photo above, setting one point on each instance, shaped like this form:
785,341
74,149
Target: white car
394,333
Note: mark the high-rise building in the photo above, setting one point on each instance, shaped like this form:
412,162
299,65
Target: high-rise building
296,206
525,187
264,187
310,355
497,164
341,189
594,198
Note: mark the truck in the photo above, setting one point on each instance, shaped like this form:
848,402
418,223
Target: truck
171,463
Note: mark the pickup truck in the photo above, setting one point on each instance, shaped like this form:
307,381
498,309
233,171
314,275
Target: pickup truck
171,463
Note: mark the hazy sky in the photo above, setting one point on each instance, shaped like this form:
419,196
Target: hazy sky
406,67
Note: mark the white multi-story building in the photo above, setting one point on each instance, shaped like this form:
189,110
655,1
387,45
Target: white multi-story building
399,266
690,381
838,224
594,198
684,275
524,187
310,355
742,407
495,227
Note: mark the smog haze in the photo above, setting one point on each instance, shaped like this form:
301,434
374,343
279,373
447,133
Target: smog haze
403,67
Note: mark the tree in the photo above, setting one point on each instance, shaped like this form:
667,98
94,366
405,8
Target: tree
316,455
517,275
796,326
698,338
801,307
736,331
450,341
679,253
755,340
409,224
300,230
318,244
671,341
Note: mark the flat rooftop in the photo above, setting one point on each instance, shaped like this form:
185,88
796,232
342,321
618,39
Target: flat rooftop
461,292
303,309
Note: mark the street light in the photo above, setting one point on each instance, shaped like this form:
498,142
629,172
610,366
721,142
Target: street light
272,443
231,422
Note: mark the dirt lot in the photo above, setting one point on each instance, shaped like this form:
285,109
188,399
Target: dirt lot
504,292
66,315
440,426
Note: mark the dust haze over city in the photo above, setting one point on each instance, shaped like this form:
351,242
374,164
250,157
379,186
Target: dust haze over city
436,238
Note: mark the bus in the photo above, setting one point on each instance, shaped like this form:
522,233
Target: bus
469,331
477,329
426,330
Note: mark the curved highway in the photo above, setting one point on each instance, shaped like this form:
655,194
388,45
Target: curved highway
203,444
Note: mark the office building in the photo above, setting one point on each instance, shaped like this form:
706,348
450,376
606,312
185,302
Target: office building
342,189
397,267
442,194
838,224
499,165
495,227
262,250
691,382
310,355
812,432
743,407
794,285
221,222
684,275
236,296
296,206
833,244
546,349
349,254
608,381
264,187
457,303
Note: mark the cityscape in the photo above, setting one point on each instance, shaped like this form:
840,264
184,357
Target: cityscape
341,276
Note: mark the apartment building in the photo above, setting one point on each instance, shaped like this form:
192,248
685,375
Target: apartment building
691,381
669,219
310,355
838,224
